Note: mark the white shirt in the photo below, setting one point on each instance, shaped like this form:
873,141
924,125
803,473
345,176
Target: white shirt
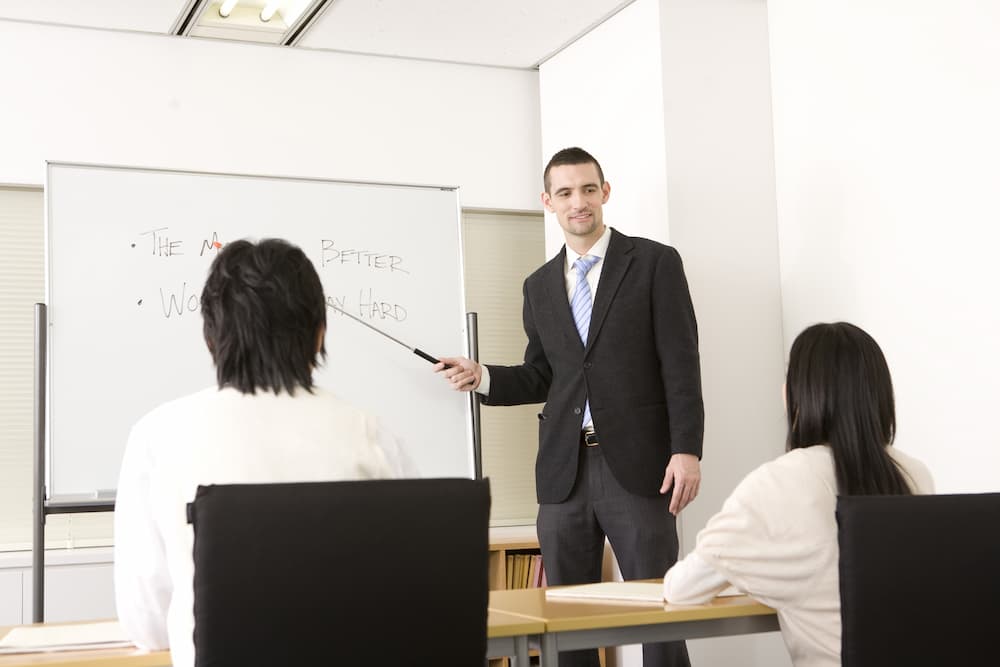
599,250
219,437
776,540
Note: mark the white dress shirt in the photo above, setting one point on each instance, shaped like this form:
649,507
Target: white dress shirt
220,437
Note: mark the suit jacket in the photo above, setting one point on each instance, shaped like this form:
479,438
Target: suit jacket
639,367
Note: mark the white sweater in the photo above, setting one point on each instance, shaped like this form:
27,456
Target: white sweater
775,539
219,437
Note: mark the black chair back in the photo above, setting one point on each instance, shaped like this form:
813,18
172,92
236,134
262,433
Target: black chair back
379,572
920,580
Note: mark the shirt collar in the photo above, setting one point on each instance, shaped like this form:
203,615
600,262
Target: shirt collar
599,249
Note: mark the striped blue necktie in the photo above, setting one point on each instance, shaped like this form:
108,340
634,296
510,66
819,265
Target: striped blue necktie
582,306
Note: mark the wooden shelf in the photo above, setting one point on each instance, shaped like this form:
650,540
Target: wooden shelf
502,540
514,538
505,539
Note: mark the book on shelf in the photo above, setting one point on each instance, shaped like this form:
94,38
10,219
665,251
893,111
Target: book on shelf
524,570
532,572
539,580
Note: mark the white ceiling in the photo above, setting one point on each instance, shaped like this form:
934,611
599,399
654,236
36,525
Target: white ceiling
505,33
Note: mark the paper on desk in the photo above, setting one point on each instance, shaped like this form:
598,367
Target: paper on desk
611,591
619,591
78,636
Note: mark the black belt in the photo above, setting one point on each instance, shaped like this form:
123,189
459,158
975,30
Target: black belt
589,438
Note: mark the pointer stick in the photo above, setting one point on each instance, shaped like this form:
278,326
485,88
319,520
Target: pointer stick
417,351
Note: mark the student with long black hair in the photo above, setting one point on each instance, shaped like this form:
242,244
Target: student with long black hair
776,535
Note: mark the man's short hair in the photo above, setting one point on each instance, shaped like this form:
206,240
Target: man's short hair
263,308
572,155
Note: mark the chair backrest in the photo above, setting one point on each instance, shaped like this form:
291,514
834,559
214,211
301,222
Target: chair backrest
379,572
920,580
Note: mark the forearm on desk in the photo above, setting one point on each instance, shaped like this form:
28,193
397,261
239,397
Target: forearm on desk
692,581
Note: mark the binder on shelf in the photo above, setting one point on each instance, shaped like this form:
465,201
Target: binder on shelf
539,579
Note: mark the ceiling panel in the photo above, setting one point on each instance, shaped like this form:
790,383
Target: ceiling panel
142,15
510,33
505,33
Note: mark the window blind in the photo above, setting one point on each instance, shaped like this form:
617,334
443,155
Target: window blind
22,284
501,250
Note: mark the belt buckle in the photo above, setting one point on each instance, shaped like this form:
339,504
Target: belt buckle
590,438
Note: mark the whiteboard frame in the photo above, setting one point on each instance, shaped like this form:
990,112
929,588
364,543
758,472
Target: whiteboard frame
70,502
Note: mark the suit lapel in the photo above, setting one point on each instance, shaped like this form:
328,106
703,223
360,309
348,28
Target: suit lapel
555,288
616,264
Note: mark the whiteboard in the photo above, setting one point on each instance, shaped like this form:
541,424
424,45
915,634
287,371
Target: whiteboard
128,249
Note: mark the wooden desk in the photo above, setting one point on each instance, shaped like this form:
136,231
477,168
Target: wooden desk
506,635
114,657
105,657
571,624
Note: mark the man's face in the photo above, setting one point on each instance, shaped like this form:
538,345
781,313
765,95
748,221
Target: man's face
576,196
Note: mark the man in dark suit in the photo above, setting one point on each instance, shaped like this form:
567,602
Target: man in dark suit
620,435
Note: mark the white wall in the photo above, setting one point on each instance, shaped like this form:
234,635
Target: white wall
887,173
135,99
79,586
604,94
11,597
673,97
720,176
720,159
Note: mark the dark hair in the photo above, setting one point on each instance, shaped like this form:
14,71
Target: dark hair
264,308
572,155
839,392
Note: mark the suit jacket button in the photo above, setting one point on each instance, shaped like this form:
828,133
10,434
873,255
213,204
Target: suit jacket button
577,411
587,364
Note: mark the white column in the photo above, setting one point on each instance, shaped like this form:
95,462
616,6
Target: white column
673,97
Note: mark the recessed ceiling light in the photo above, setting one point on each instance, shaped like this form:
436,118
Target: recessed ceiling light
262,21
226,8
269,9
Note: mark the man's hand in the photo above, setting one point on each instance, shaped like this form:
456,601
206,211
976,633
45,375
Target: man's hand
684,475
463,374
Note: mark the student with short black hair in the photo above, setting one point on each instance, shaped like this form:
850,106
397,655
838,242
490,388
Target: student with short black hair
776,536
264,317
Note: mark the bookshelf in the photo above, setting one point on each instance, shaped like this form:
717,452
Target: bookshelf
509,541
520,541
